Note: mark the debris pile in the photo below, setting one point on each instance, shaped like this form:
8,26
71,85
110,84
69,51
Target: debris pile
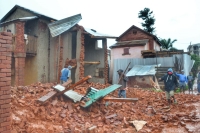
62,115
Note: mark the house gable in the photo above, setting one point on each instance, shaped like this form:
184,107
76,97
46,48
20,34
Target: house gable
18,13
134,34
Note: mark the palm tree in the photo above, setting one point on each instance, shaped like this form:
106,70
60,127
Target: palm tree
168,44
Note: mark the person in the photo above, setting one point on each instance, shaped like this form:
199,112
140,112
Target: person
182,81
170,83
65,74
190,82
123,81
198,83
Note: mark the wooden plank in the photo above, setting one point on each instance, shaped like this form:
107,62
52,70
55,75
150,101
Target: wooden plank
120,99
91,62
47,96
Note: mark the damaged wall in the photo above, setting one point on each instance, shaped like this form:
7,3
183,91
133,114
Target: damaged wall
5,81
92,53
140,81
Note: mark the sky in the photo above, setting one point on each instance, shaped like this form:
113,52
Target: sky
175,19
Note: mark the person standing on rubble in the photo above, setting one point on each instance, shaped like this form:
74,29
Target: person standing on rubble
182,81
65,74
122,81
190,82
170,82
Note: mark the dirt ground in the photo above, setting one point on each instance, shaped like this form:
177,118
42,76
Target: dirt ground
61,115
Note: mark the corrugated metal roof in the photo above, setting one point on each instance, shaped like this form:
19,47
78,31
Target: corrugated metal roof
129,43
73,95
20,19
142,70
60,26
97,34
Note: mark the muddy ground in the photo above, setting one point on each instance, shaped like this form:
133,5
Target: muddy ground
61,115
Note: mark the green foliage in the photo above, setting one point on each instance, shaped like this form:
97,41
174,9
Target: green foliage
168,44
196,65
149,20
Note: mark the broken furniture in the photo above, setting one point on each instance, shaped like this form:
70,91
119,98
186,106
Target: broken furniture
61,89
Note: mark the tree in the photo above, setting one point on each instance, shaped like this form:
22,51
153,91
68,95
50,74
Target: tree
168,44
149,20
196,65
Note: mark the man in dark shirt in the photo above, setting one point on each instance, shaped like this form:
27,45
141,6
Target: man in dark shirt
190,82
123,81
170,82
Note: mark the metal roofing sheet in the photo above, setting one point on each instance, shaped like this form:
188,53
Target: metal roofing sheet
60,26
142,70
73,95
97,34
20,19
133,42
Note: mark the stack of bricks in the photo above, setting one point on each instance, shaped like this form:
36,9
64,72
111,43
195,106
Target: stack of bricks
82,54
5,81
105,61
19,53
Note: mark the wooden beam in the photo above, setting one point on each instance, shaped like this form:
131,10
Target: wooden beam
91,62
120,99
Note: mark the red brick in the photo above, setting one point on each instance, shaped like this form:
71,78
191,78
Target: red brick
2,84
3,57
5,70
6,45
6,33
8,74
5,79
5,110
7,38
1,37
5,115
8,83
6,53
2,41
8,41
2,74
7,92
4,101
2,88
5,97
4,106
5,124
8,58
2,49
7,131
9,49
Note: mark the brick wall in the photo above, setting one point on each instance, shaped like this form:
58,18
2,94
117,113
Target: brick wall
19,53
5,81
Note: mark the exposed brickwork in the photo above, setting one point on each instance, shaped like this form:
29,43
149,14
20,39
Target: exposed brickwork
5,81
60,58
19,53
82,54
105,61
138,36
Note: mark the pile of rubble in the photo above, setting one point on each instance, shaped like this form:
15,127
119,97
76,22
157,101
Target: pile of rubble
61,115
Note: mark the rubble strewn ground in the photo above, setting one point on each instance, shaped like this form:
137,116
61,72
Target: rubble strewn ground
62,115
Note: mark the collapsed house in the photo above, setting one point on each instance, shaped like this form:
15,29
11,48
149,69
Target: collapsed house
142,76
41,46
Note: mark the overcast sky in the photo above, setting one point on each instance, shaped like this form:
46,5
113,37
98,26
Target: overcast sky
175,19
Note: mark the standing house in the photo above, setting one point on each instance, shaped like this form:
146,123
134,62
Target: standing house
32,45
41,46
132,43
